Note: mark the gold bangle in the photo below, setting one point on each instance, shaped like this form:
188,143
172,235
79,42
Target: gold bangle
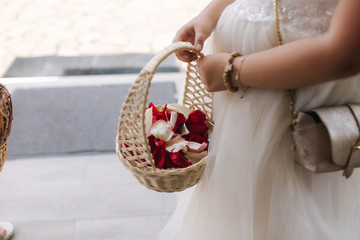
228,70
237,78
237,75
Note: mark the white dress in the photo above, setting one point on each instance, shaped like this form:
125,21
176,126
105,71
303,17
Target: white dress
251,188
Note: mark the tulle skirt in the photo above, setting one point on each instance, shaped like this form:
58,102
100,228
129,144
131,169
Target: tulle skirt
251,188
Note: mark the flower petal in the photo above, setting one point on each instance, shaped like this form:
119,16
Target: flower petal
195,138
195,157
152,143
176,121
197,147
157,115
159,155
161,130
173,119
196,117
169,163
195,123
198,129
184,130
180,109
179,122
179,159
176,144
148,120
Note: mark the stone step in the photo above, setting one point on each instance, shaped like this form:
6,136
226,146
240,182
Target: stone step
85,65
54,115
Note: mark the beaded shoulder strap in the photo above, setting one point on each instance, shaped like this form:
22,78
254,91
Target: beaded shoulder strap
290,93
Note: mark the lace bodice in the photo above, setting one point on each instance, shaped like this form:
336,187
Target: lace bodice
299,18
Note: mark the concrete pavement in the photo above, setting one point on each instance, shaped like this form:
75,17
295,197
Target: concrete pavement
79,197
88,195
31,28
83,196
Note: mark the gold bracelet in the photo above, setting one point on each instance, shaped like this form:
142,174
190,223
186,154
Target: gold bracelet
228,70
237,75
242,87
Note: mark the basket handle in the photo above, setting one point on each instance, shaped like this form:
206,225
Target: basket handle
154,63
135,104
151,67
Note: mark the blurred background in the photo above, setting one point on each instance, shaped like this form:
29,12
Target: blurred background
33,28
68,65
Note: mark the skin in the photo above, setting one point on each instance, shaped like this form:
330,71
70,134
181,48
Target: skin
306,62
199,29
2,233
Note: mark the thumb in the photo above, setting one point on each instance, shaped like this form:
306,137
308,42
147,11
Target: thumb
199,42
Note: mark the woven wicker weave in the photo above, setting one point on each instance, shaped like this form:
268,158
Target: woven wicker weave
6,116
131,142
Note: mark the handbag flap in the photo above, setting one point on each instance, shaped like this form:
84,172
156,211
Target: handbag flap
343,129
356,111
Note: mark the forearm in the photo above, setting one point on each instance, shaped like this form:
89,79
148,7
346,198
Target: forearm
305,62
214,9
298,64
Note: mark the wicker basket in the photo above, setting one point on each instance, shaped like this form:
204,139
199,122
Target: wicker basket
6,116
131,142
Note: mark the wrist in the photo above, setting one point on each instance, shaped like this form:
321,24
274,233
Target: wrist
208,20
236,77
229,71
232,73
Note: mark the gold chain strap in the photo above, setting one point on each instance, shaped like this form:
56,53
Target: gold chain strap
290,93
277,23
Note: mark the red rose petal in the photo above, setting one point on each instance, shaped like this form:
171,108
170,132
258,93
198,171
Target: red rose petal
169,163
157,115
159,158
152,144
195,123
176,121
196,117
159,155
179,159
195,138
193,128
198,129
179,121
164,109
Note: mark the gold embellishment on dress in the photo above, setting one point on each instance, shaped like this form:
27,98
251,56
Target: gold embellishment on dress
356,147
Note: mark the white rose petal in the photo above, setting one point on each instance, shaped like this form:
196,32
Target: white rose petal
161,130
180,109
197,147
184,130
173,118
176,144
148,121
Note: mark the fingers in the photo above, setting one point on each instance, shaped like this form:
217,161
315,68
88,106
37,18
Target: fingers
199,42
184,35
187,56
193,34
